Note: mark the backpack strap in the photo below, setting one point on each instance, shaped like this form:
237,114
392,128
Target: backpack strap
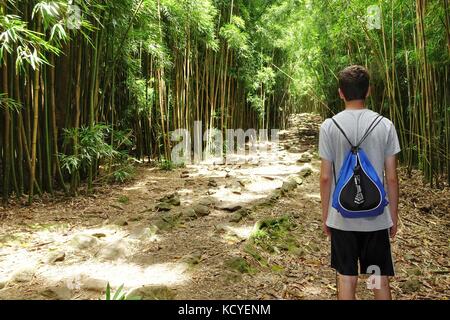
369,130
343,132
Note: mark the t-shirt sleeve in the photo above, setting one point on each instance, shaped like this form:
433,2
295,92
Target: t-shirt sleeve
325,146
392,144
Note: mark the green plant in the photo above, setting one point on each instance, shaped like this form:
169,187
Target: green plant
166,165
123,199
118,295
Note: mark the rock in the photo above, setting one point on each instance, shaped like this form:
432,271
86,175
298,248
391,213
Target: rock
236,217
168,221
189,214
144,233
201,210
228,206
298,180
23,275
59,291
56,257
152,293
84,241
175,201
114,250
288,185
305,158
171,199
99,235
239,215
207,201
305,172
163,206
275,195
212,183
184,175
90,283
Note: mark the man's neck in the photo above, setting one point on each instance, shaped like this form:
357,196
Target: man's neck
355,105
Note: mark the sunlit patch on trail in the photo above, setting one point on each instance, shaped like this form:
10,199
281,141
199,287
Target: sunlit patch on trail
264,186
130,275
242,232
313,195
275,170
137,186
226,195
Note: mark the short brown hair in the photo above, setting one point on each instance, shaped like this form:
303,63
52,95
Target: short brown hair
354,82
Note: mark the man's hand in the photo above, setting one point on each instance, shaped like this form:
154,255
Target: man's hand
326,230
393,230
390,164
325,192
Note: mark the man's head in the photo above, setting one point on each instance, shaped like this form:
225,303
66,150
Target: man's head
354,83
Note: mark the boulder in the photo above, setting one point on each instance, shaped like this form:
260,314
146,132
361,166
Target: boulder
207,201
84,241
152,293
201,210
25,274
114,251
93,284
228,206
305,172
59,291
163,206
305,158
288,185
171,199
57,256
189,214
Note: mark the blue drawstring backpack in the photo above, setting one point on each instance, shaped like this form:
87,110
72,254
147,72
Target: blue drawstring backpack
359,192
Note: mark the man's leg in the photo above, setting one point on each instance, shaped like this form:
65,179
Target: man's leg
347,287
384,292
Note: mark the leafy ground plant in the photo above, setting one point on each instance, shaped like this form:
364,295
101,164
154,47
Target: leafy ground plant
118,295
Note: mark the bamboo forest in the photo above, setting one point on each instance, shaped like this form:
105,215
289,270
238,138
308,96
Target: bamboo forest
97,98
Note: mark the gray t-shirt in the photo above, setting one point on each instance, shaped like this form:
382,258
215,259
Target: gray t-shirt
381,143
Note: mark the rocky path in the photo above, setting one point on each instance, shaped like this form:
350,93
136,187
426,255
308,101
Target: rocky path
243,231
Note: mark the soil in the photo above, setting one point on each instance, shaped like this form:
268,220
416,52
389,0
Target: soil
195,233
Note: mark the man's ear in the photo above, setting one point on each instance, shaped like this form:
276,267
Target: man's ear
369,91
341,94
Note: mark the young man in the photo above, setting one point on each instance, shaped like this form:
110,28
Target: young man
363,240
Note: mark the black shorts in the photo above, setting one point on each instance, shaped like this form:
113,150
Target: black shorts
371,249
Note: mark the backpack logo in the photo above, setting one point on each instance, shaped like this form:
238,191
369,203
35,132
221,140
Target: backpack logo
358,191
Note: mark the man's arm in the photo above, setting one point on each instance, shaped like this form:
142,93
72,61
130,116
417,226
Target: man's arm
325,191
390,164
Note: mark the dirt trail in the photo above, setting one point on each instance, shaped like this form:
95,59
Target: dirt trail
247,231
